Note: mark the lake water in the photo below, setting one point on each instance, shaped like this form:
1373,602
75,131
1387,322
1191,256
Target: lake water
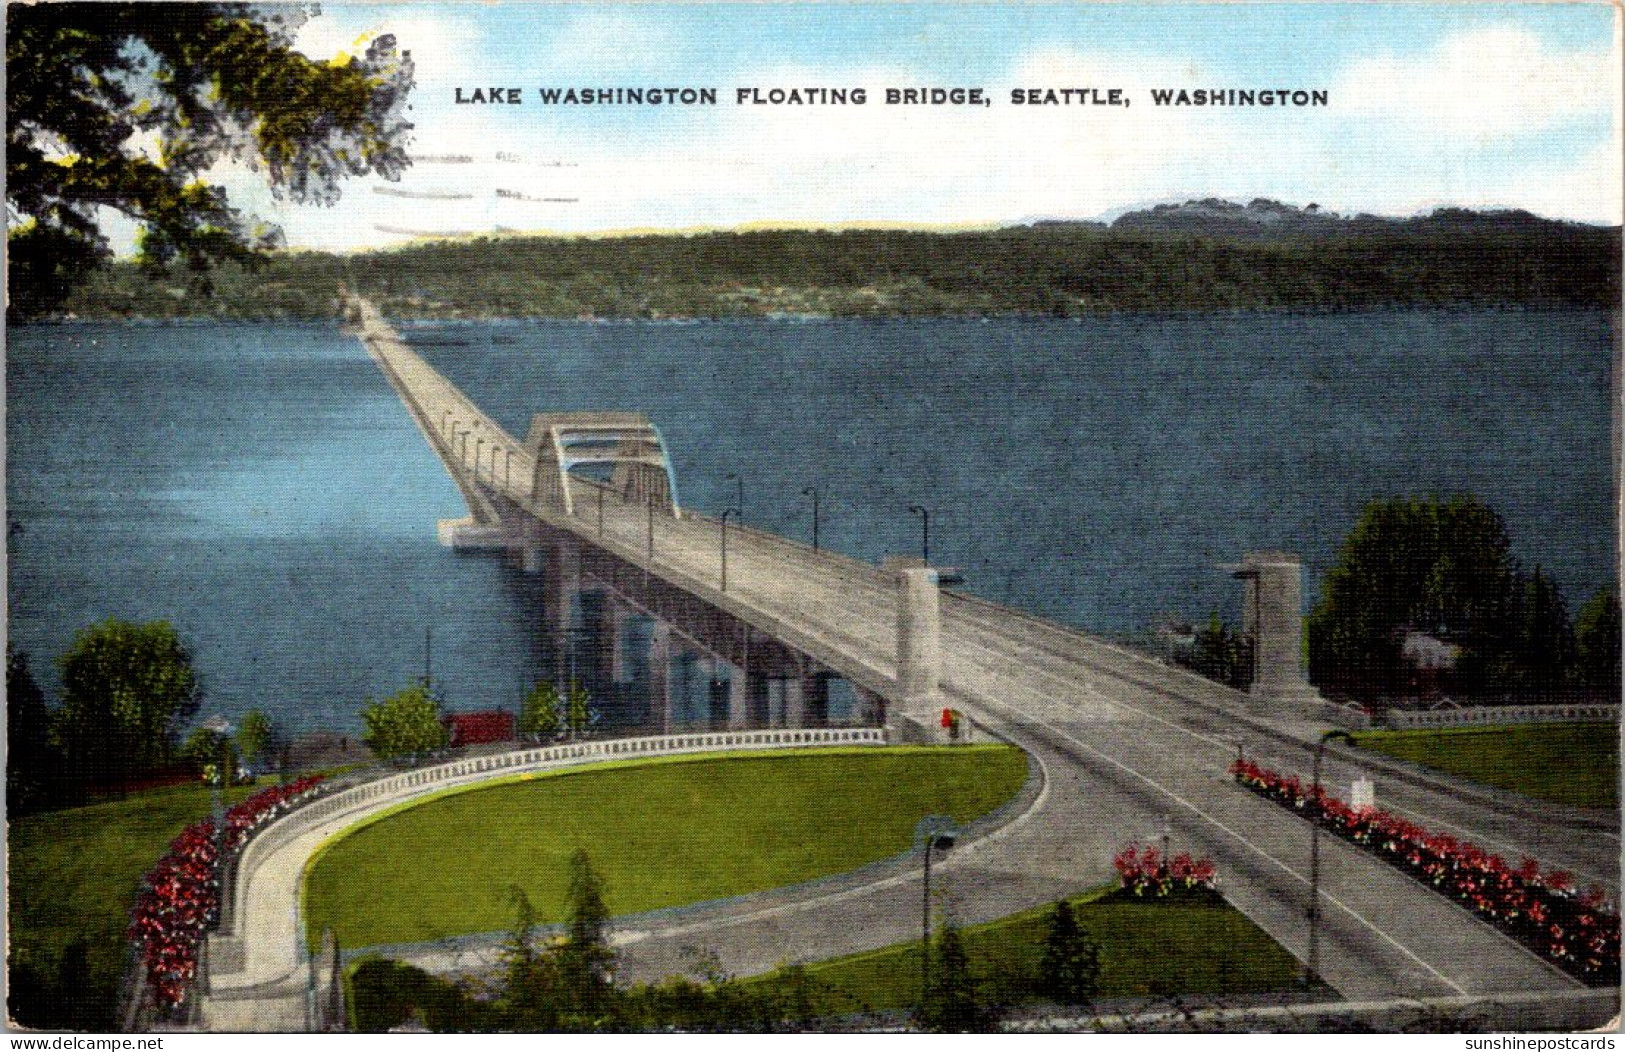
261,487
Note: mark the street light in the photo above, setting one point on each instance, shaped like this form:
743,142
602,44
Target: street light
925,532
812,491
727,512
938,832
739,502
219,726
1313,966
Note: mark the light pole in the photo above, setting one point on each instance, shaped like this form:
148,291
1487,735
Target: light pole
739,501
651,528
925,532
812,491
1313,966
726,512
219,726
938,832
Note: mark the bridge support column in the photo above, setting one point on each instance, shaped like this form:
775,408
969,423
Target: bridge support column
871,708
1272,616
919,642
740,683
795,702
661,712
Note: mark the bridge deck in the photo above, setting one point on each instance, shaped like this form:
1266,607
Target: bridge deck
1127,739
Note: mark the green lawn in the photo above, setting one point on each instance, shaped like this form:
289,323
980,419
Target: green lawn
73,876
661,833
1567,763
1148,947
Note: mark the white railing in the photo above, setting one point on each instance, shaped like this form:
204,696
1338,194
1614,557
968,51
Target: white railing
412,783
1400,719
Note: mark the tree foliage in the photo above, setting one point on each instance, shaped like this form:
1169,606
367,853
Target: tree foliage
131,106
403,724
33,764
1445,569
1070,969
586,963
953,1003
1440,567
255,735
1597,641
539,713
1221,653
580,715
126,690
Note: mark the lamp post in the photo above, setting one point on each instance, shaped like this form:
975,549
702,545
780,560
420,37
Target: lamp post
219,726
651,529
938,832
1313,966
739,498
925,532
812,491
726,512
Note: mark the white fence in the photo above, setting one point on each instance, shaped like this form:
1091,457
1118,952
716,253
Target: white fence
411,783
1399,719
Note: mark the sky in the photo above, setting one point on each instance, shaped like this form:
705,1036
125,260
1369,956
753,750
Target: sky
1478,105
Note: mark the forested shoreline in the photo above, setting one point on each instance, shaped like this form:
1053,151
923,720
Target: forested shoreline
1044,269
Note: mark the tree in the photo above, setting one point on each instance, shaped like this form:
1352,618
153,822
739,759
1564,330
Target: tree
586,963
211,752
130,106
1440,567
1220,653
539,712
953,1003
255,736
1070,969
33,764
531,977
580,713
1542,656
126,689
403,724
1597,641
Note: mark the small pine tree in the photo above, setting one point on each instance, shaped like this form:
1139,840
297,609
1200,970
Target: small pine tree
539,713
953,1003
1070,970
579,710
530,988
1597,641
586,963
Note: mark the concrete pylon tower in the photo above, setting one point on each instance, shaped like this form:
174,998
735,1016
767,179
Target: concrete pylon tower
1272,616
919,641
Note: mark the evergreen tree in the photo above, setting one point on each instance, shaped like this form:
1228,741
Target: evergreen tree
1542,658
33,763
530,990
255,736
953,1002
579,711
586,963
1070,969
1597,642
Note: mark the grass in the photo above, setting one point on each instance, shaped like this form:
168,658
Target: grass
1566,763
660,833
1187,946
73,876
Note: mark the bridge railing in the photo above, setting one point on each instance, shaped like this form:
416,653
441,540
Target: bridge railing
413,783
1400,719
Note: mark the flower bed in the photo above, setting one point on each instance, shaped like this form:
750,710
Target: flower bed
1144,871
180,896
1578,932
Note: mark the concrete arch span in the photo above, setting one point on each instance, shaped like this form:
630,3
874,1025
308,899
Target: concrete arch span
625,445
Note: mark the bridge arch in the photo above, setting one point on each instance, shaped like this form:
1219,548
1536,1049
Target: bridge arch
627,444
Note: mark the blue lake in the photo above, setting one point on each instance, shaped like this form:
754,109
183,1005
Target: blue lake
261,487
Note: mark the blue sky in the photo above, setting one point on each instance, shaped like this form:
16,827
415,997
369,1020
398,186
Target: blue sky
1481,105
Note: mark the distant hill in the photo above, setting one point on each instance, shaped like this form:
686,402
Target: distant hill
1200,255
1262,219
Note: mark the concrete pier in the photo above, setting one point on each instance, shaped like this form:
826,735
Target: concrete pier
1272,616
919,640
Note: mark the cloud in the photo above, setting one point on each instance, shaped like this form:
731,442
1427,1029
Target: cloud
1486,85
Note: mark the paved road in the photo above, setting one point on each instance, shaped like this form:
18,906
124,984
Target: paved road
1125,740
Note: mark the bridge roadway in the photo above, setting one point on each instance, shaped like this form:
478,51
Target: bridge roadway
1125,741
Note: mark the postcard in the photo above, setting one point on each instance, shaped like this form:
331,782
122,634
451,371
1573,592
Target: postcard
818,517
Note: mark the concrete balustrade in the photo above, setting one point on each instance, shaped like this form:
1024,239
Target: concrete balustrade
1399,719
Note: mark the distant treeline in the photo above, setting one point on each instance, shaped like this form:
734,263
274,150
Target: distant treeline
1060,269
